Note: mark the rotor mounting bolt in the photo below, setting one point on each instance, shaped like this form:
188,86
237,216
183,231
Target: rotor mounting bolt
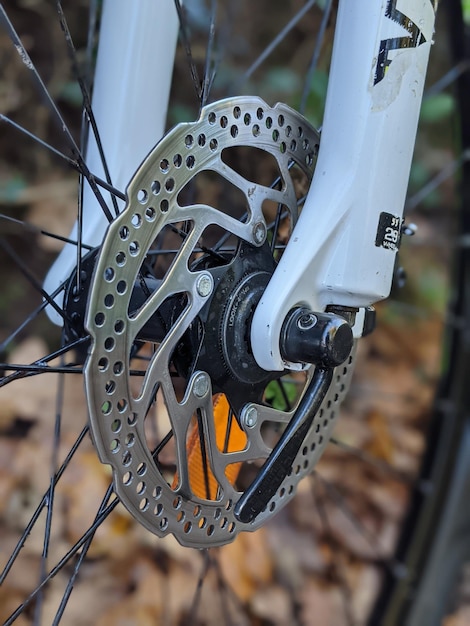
204,285
250,417
201,385
259,233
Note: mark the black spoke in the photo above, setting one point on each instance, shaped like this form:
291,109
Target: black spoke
75,164
41,369
285,397
323,513
32,316
227,592
81,558
316,55
104,511
444,174
166,439
228,430
276,41
90,49
40,231
338,499
189,53
196,601
448,78
204,457
40,507
58,119
382,466
72,162
50,495
209,69
216,247
275,227
33,281
40,362
86,97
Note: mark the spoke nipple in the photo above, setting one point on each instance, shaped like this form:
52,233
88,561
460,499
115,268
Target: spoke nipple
259,233
201,384
204,285
249,416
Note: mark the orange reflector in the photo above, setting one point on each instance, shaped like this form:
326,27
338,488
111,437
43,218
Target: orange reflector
203,482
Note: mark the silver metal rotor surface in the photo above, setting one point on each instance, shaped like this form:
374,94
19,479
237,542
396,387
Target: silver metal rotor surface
173,247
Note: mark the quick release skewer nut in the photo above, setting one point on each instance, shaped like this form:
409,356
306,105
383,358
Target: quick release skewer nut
323,339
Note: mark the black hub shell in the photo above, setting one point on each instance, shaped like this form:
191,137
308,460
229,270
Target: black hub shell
221,335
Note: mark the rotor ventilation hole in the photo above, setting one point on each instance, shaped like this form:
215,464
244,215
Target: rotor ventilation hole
109,344
142,196
150,214
121,259
147,483
116,426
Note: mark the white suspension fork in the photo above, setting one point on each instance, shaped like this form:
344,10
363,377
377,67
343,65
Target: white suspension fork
130,99
343,248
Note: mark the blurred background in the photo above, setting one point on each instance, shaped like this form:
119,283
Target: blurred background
322,558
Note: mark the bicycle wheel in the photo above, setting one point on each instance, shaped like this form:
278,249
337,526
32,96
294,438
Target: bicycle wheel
434,541
148,451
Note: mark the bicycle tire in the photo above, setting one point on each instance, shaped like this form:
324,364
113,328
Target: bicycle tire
434,541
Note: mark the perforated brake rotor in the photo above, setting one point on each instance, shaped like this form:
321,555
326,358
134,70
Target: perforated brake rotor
155,417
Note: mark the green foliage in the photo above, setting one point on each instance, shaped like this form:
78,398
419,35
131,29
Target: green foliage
12,189
281,80
274,395
180,112
432,289
316,97
466,11
70,92
437,108
420,175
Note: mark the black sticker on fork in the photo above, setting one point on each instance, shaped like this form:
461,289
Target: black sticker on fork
413,39
389,232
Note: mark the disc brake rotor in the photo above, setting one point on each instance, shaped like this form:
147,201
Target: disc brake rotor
183,432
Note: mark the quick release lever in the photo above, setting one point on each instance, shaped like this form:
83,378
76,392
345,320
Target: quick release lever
326,340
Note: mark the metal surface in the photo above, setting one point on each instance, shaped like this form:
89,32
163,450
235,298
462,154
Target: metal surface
119,403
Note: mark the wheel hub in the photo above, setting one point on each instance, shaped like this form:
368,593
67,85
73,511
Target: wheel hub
225,352
182,276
